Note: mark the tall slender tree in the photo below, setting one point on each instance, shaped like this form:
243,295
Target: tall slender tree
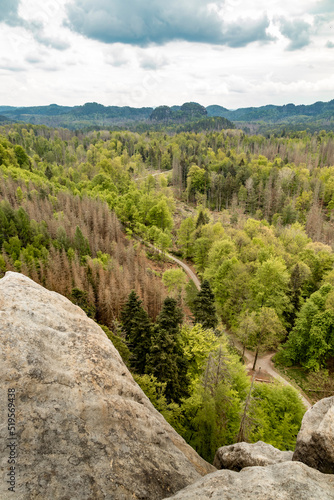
166,360
204,309
138,331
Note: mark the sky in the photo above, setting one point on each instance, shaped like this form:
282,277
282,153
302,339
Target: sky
235,53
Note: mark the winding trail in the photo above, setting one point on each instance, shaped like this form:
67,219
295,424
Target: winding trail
187,269
264,362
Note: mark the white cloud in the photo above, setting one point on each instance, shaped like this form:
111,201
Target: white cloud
220,59
159,22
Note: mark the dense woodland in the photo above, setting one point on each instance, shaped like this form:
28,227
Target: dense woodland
253,214
271,118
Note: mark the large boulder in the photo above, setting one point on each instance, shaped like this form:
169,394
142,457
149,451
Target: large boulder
237,456
284,481
73,423
315,440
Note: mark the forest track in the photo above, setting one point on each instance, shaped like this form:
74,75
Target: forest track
185,266
264,365
264,362
187,269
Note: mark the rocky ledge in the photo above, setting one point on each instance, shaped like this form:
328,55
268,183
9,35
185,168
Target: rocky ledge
82,428
284,481
237,456
315,440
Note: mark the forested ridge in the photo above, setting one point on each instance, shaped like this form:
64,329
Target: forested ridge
253,214
264,119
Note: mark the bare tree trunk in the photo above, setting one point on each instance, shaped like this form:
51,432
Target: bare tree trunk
242,429
255,359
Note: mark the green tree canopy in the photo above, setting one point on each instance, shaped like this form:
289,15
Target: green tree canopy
204,307
311,342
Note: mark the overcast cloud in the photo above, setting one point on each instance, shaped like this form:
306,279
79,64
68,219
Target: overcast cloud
159,22
234,53
8,11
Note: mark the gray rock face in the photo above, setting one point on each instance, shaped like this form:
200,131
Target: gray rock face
315,441
284,481
82,429
237,456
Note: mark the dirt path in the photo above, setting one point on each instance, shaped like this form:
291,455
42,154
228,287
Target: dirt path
184,266
264,364
187,269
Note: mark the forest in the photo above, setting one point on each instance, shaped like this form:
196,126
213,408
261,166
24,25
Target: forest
93,215
264,119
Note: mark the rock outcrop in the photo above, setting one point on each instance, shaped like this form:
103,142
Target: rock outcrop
82,428
237,456
315,440
284,481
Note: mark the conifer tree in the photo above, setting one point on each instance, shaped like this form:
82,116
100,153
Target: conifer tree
202,219
138,331
204,307
166,360
81,243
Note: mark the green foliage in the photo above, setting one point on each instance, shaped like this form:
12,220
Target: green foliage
166,359
311,342
270,286
119,343
160,216
211,416
191,293
196,180
204,309
81,243
185,236
263,273
138,331
197,343
277,414
80,298
268,333
174,280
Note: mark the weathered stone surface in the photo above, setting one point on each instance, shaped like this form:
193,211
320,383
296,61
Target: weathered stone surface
284,481
84,429
237,456
315,441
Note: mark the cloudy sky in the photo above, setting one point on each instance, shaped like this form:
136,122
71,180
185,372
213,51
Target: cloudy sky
235,53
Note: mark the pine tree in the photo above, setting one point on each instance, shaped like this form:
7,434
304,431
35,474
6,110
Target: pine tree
170,316
128,313
166,360
202,219
81,243
138,331
204,307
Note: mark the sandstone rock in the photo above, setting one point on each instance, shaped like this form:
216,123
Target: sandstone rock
237,456
84,430
315,441
284,481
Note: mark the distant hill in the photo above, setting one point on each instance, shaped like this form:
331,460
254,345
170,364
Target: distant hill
4,119
271,113
179,114
319,114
